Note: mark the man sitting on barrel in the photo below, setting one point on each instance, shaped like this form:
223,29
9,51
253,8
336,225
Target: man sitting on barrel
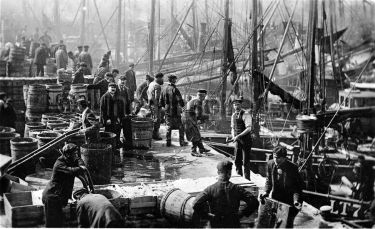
224,199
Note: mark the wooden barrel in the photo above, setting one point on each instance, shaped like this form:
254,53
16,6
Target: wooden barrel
52,153
33,126
77,139
177,207
98,160
22,146
33,117
50,67
61,129
5,138
17,54
108,138
50,117
56,123
54,97
77,91
141,132
34,133
3,68
37,99
5,129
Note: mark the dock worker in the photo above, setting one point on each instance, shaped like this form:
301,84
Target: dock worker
96,211
173,103
103,82
104,62
284,181
123,95
111,111
59,189
61,57
141,94
90,126
191,118
85,57
131,81
41,55
115,73
224,199
79,75
78,51
241,126
153,94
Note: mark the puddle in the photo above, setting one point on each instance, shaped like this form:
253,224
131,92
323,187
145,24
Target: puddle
141,166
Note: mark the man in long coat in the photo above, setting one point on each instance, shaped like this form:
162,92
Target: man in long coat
173,103
41,55
85,57
111,111
131,81
153,94
191,117
61,58
123,95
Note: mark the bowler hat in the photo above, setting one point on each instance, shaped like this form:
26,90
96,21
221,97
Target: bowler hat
159,75
82,102
123,77
172,77
111,84
202,91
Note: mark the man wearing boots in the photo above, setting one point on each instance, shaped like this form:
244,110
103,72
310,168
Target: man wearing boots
172,102
153,94
191,117
241,135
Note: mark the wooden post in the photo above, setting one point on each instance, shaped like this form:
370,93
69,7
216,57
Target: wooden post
254,78
151,38
118,41
83,18
225,61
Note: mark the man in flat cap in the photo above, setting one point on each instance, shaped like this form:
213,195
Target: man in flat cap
111,111
123,96
284,181
141,94
173,103
191,117
78,76
90,125
78,51
241,126
224,199
61,57
96,211
153,94
85,57
59,189
131,81
41,55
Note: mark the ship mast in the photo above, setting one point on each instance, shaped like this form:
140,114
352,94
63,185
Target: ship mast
225,60
151,39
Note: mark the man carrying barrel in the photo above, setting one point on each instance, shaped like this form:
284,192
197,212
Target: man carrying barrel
224,199
95,210
59,189
173,103
111,111
90,125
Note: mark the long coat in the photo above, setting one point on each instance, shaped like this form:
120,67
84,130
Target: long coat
41,55
61,59
224,200
86,58
131,82
284,181
190,117
171,99
110,109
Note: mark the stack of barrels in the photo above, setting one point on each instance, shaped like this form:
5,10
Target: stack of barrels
3,68
16,63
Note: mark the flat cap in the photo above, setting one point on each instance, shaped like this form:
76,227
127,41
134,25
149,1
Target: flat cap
202,91
82,102
224,166
111,84
69,148
83,64
79,46
86,46
123,77
172,76
279,151
115,70
159,75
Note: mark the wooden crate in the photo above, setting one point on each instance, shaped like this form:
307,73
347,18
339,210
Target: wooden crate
20,211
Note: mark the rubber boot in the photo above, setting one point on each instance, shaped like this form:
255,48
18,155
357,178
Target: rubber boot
201,148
